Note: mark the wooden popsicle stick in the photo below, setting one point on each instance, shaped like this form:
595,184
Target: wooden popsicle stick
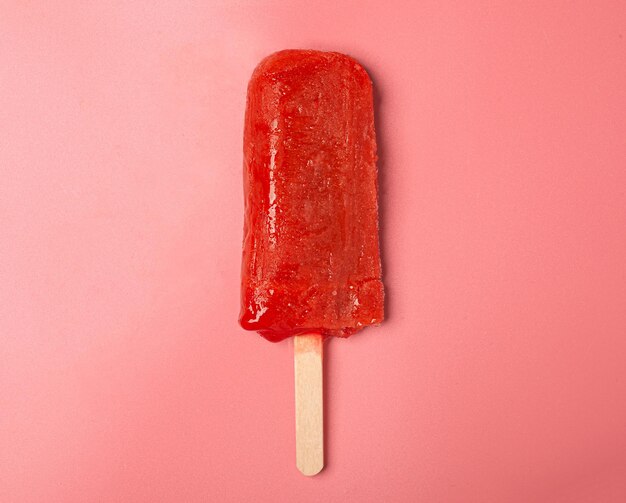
308,357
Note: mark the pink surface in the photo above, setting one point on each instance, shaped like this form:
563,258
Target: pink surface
499,375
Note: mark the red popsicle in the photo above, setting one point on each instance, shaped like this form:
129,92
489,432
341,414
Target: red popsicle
311,257
311,265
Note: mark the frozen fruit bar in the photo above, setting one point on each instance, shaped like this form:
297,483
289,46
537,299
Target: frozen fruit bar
311,259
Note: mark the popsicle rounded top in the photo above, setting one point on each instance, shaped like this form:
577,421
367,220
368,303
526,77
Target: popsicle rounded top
311,260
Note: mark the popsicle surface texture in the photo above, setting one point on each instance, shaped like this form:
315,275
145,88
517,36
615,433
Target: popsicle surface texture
311,260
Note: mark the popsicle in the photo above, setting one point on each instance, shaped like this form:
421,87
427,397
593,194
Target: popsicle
311,265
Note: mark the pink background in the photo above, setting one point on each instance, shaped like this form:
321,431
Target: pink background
500,374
